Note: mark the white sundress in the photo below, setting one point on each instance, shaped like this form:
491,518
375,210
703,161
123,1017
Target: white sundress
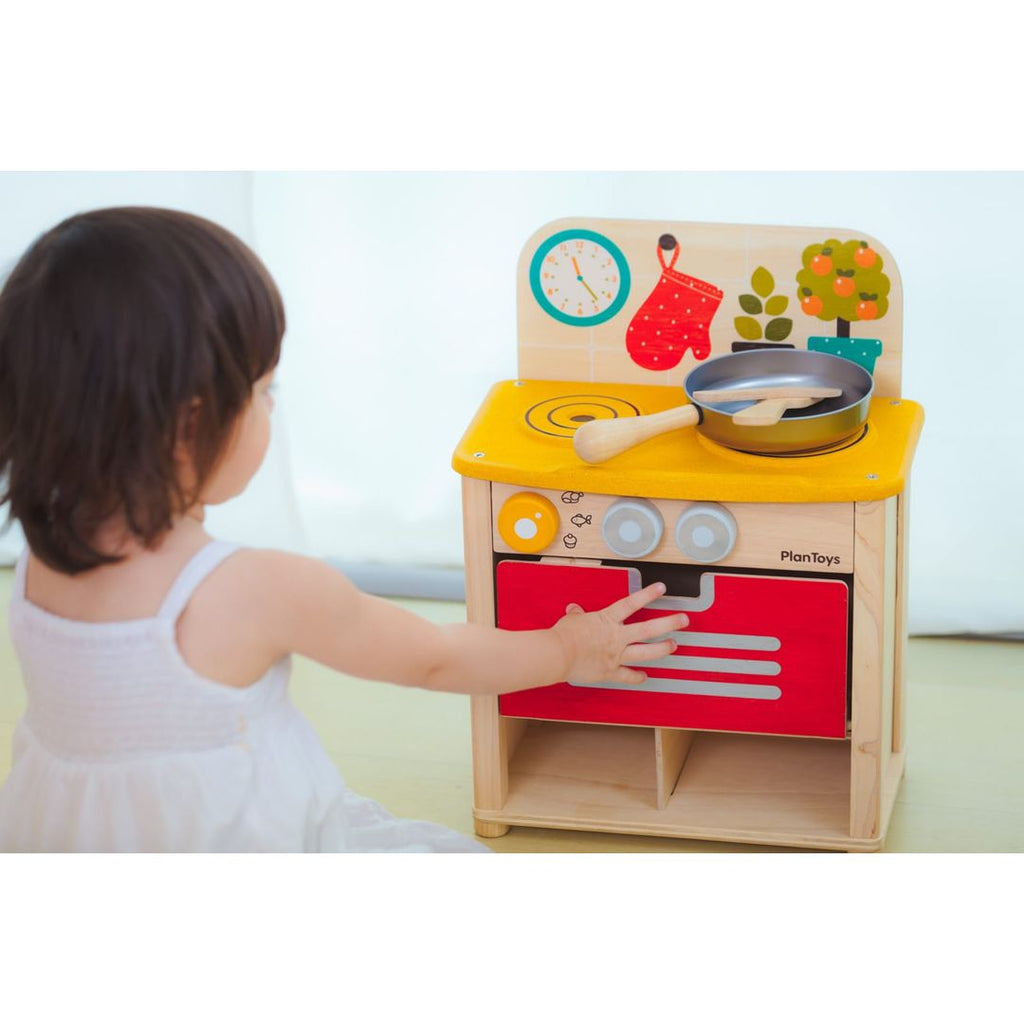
124,748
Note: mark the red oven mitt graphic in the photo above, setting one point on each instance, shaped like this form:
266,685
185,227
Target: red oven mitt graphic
675,317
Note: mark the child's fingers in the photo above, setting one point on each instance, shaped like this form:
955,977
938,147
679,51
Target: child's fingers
626,606
627,676
649,652
651,628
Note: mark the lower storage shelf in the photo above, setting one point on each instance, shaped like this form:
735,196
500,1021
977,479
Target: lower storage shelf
768,790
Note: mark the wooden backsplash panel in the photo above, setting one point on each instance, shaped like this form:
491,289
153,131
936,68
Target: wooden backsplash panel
721,255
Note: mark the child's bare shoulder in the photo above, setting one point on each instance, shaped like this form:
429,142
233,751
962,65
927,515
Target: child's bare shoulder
237,622
255,581
269,575
245,614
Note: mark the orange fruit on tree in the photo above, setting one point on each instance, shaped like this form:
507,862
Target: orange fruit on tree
811,304
822,263
865,256
843,286
867,309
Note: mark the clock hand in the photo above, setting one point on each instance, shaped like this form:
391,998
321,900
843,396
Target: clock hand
579,277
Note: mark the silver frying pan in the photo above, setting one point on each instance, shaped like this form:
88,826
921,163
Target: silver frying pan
809,428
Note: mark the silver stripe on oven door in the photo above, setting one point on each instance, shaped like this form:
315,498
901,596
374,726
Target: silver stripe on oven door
726,641
697,687
740,666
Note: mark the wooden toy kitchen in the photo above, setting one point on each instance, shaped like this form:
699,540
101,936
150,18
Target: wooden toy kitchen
779,720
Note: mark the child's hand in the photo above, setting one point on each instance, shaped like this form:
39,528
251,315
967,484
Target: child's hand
600,644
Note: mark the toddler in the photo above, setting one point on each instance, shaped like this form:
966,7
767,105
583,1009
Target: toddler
137,353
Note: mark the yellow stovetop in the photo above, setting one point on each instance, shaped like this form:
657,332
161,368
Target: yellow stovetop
522,434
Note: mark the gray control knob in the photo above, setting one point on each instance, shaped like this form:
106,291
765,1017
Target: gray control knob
706,532
632,527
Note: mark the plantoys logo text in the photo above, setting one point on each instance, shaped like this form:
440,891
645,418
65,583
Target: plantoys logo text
812,557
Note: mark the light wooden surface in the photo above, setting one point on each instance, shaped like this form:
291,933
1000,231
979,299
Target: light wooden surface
900,623
963,790
873,657
671,747
766,790
493,743
765,531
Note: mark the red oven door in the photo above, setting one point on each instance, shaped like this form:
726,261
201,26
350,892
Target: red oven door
765,654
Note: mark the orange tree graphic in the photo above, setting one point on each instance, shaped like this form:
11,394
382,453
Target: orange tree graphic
842,281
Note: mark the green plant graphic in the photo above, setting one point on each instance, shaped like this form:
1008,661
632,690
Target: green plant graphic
763,303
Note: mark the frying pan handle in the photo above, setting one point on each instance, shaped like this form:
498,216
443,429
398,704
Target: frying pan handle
599,440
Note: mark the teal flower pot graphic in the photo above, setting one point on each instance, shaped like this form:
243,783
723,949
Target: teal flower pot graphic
859,350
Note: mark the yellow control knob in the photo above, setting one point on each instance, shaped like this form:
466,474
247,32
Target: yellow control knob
528,522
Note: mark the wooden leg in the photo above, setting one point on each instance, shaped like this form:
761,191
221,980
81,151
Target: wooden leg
490,763
489,829
490,767
898,700
874,594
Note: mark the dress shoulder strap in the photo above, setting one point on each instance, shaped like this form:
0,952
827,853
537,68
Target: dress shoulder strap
20,572
199,566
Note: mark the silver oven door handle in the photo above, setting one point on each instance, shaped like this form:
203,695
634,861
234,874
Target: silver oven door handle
701,603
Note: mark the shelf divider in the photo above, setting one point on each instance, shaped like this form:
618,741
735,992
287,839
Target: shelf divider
670,749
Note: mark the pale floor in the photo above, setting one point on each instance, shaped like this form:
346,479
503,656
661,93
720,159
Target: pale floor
963,790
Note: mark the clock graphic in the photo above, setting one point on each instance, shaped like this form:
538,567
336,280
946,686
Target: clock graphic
579,277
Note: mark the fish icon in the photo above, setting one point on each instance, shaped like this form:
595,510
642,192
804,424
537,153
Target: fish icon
581,520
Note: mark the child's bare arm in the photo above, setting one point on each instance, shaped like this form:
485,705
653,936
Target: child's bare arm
315,611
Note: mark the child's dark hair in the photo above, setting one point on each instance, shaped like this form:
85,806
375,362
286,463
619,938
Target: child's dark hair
112,325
